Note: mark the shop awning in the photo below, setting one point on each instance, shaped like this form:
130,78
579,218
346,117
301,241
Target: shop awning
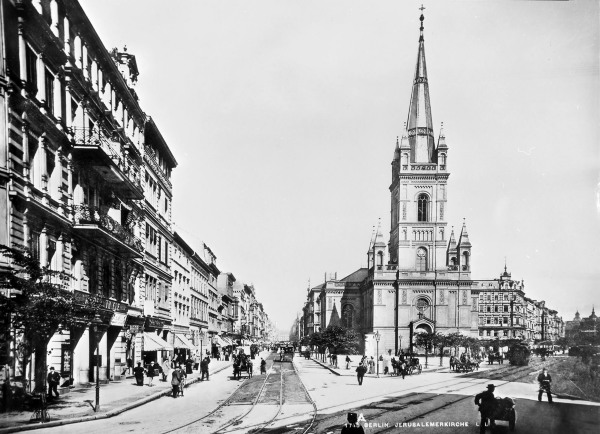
153,342
182,342
226,341
219,342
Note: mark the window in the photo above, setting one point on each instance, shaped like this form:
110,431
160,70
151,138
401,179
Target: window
31,65
34,245
107,288
488,332
488,321
49,78
489,308
348,316
380,259
505,332
506,308
421,259
505,320
495,308
422,204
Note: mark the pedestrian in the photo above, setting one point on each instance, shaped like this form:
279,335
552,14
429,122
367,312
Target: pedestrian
371,366
138,373
263,366
352,427
361,370
348,362
183,379
176,378
544,379
204,368
487,404
151,373
189,364
53,381
334,357
166,369
129,365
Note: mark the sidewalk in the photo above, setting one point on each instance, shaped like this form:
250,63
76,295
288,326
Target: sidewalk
432,362
115,398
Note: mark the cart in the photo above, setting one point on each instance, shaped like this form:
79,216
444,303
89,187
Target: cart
504,410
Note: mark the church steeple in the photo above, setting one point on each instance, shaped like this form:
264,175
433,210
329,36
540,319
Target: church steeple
420,124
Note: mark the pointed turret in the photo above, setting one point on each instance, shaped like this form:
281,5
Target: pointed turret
379,248
451,260
370,251
463,241
420,124
464,249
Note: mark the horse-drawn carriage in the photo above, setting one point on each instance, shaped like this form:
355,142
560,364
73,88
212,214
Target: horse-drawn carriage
242,364
464,364
495,357
407,366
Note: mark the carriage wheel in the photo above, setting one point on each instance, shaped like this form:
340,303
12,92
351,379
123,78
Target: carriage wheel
512,420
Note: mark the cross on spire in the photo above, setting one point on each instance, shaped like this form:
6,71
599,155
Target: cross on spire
422,8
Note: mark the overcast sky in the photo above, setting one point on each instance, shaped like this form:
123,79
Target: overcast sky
283,116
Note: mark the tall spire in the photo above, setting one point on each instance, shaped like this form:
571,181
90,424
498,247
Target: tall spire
420,124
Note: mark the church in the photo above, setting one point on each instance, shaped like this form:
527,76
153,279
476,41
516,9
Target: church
420,279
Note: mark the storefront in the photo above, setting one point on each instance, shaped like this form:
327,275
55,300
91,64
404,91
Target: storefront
184,349
155,348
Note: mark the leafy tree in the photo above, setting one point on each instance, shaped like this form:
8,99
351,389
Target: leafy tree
36,307
441,342
426,340
341,340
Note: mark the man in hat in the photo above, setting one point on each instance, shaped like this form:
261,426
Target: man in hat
53,381
487,404
352,427
544,379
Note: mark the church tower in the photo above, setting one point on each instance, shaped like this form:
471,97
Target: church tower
418,237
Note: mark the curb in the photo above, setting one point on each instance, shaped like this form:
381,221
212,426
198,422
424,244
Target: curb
324,365
106,415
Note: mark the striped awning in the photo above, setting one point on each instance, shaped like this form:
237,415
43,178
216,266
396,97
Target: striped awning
182,342
153,342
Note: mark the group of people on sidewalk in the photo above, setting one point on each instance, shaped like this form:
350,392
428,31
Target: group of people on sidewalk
176,370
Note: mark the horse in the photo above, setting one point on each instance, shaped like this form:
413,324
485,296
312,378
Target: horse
452,363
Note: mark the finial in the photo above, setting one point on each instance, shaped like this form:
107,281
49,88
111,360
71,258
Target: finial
421,18
505,264
397,140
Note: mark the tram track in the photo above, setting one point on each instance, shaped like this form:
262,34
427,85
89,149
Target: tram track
260,401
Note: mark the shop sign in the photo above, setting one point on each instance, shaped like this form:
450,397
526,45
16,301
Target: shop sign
118,319
154,323
65,360
101,302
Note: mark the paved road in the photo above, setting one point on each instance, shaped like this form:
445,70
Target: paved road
254,405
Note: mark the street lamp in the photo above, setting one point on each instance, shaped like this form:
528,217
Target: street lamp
96,322
377,337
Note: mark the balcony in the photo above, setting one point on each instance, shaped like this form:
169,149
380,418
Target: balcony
96,225
152,159
94,148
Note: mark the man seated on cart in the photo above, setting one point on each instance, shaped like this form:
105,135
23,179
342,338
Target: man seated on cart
487,406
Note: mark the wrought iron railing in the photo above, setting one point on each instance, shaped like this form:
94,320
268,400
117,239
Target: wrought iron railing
95,137
84,214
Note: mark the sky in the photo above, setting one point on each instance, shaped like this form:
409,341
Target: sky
283,117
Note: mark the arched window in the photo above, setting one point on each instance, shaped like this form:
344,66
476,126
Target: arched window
421,259
466,261
379,259
422,205
348,316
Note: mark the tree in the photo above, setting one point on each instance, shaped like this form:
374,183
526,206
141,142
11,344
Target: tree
426,340
341,340
36,307
441,342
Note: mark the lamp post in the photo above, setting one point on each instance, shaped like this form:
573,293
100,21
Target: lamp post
377,337
96,322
